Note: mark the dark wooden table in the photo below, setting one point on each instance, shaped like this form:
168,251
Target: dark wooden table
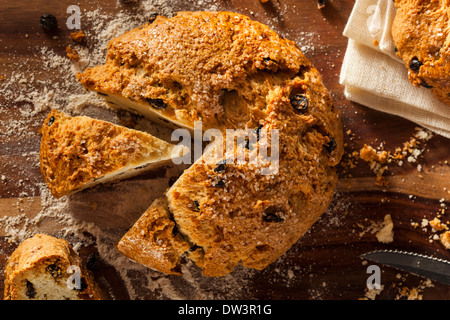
324,264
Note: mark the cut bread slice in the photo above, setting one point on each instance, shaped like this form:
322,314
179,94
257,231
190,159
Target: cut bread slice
154,240
46,268
148,110
79,152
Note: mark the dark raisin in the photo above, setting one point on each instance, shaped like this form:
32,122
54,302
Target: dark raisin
196,206
152,17
54,270
330,145
321,4
142,167
299,102
258,132
270,64
157,103
219,184
48,21
194,247
272,214
221,166
425,85
415,64
247,143
271,217
31,292
395,49
52,119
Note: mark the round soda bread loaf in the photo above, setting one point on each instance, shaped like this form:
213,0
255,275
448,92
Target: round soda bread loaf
43,268
421,32
228,72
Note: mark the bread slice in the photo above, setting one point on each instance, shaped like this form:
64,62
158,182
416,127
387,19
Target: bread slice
46,268
154,241
80,152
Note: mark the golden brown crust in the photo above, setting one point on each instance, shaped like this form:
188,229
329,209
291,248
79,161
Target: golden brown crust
193,84
153,241
231,72
34,256
421,32
76,151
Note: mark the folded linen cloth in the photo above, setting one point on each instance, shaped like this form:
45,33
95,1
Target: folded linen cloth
374,76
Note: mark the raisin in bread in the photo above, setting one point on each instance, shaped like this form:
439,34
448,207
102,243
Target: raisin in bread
45,268
80,152
421,32
228,72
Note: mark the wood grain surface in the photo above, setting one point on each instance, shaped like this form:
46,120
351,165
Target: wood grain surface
325,263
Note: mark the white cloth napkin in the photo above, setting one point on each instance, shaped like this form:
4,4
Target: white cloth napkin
374,76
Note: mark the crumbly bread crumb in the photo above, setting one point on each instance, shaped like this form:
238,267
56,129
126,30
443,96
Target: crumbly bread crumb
78,36
386,233
379,159
437,224
72,54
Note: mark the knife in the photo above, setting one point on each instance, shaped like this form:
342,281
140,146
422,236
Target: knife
418,264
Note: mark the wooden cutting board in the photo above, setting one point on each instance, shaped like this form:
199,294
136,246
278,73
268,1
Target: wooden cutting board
324,264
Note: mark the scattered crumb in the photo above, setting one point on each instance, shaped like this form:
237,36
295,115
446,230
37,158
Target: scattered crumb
72,54
415,293
369,154
383,231
402,292
437,225
379,159
371,294
386,234
78,36
376,160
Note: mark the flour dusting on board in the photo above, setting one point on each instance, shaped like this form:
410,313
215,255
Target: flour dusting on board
99,216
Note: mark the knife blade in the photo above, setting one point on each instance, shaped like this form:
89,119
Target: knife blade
418,264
